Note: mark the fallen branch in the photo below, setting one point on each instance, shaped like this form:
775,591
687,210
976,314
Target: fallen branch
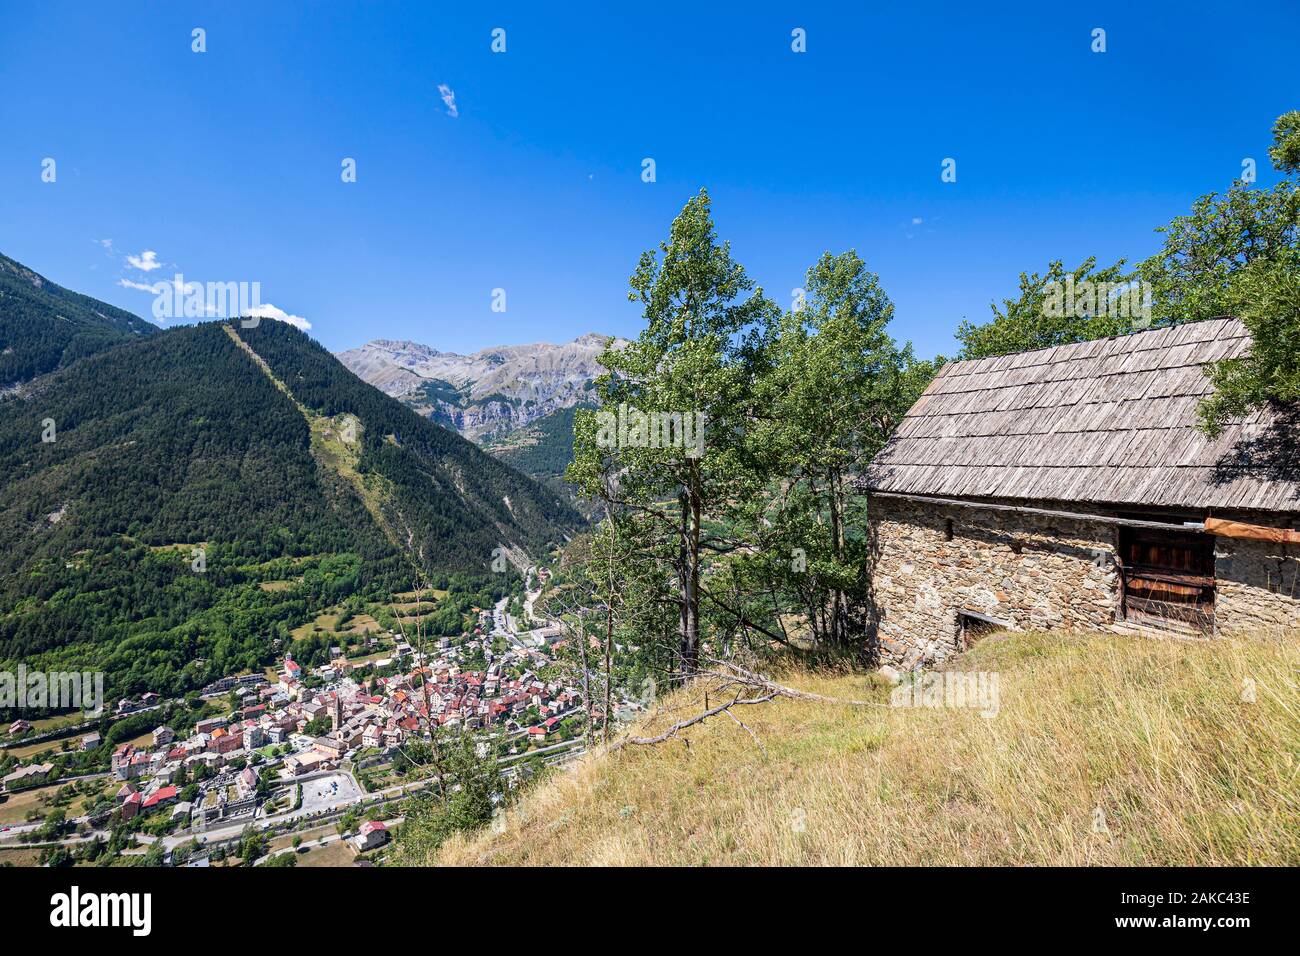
737,676
740,675
681,725
745,727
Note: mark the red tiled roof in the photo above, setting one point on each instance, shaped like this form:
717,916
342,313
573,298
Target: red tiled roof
166,793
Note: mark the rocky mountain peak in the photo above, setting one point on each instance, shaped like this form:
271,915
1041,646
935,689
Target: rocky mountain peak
488,393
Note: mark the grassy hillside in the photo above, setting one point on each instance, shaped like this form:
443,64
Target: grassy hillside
1155,733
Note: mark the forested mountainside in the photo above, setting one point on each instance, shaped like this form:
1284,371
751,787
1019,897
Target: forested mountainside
542,449
472,490
44,326
153,490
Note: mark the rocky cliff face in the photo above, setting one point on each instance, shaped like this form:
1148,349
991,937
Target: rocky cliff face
490,393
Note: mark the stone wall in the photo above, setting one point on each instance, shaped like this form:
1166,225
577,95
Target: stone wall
1031,571
1038,572
1257,587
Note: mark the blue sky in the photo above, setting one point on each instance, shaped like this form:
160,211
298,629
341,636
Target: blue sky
226,164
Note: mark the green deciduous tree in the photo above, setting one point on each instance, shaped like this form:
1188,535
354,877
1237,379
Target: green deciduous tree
1236,253
1267,298
698,360
837,387
473,786
1285,151
1040,317
1192,277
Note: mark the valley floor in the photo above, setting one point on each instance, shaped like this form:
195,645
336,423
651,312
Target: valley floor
1105,750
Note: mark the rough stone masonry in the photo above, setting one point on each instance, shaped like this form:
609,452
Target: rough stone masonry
1034,572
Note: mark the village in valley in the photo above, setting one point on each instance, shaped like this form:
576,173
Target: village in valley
304,750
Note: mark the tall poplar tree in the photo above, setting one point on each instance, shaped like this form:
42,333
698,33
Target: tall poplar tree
696,364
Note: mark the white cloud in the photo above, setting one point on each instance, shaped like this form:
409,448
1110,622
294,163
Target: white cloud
142,286
146,261
267,311
917,220
106,243
449,99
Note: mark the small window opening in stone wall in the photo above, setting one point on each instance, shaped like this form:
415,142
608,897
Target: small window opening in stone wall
971,627
947,529
1017,546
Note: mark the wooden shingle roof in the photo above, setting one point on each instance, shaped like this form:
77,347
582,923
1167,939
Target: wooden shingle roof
1112,421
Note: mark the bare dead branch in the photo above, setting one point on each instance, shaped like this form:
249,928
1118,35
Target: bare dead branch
681,725
739,674
745,727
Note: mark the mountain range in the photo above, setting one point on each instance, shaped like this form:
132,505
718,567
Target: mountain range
191,494
517,401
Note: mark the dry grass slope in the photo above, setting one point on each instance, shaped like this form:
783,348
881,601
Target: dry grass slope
1155,733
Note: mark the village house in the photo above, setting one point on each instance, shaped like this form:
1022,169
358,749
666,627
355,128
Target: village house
1070,487
303,763
160,797
329,748
209,724
121,762
37,773
371,834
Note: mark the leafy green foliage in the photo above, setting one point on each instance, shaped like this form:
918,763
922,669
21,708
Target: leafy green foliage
1193,275
471,787
1285,151
764,527
837,388
1030,321
1239,254
1269,304
1236,253
704,346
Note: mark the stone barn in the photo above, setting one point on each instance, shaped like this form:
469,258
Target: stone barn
1069,487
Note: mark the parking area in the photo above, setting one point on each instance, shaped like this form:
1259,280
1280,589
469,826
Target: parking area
326,793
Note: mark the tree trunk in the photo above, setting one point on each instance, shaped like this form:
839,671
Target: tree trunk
586,680
683,582
609,633
691,604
